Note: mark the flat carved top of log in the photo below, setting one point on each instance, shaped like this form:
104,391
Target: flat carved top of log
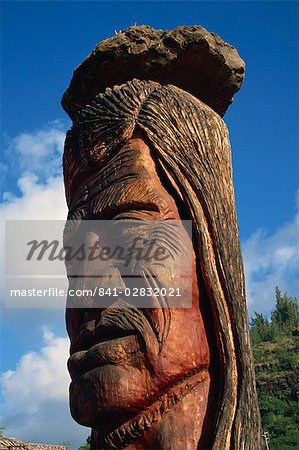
190,58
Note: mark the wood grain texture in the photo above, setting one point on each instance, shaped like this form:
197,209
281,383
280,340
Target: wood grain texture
190,146
188,57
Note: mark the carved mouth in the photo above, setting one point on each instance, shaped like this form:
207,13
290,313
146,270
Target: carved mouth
119,320
115,351
93,334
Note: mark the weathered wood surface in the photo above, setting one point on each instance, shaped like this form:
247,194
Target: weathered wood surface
191,58
179,152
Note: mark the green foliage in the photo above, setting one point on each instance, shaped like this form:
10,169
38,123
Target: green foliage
287,360
260,329
87,445
275,350
285,315
279,419
284,318
2,428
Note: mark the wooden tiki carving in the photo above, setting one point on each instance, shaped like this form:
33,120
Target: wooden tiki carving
148,144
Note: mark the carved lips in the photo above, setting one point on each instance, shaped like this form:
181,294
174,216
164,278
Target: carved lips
120,332
116,350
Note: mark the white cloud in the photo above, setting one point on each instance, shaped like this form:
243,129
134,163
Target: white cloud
39,152
35,158
35,396
271,260
38,201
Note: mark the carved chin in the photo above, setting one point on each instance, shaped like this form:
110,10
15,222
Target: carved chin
111,389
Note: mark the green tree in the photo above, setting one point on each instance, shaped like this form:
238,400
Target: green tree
285,315
87,445
260,328
284,318
275,349
279,419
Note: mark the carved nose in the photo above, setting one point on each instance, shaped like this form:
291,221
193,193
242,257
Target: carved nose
85,309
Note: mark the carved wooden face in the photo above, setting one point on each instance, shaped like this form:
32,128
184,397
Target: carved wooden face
122,359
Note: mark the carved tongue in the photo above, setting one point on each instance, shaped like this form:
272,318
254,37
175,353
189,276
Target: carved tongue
116,351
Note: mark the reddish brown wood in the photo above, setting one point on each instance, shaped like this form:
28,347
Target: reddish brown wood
184,378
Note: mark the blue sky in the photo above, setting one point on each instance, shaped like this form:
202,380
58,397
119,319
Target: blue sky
42,43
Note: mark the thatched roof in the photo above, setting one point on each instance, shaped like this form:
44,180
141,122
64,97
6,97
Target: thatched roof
13,444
